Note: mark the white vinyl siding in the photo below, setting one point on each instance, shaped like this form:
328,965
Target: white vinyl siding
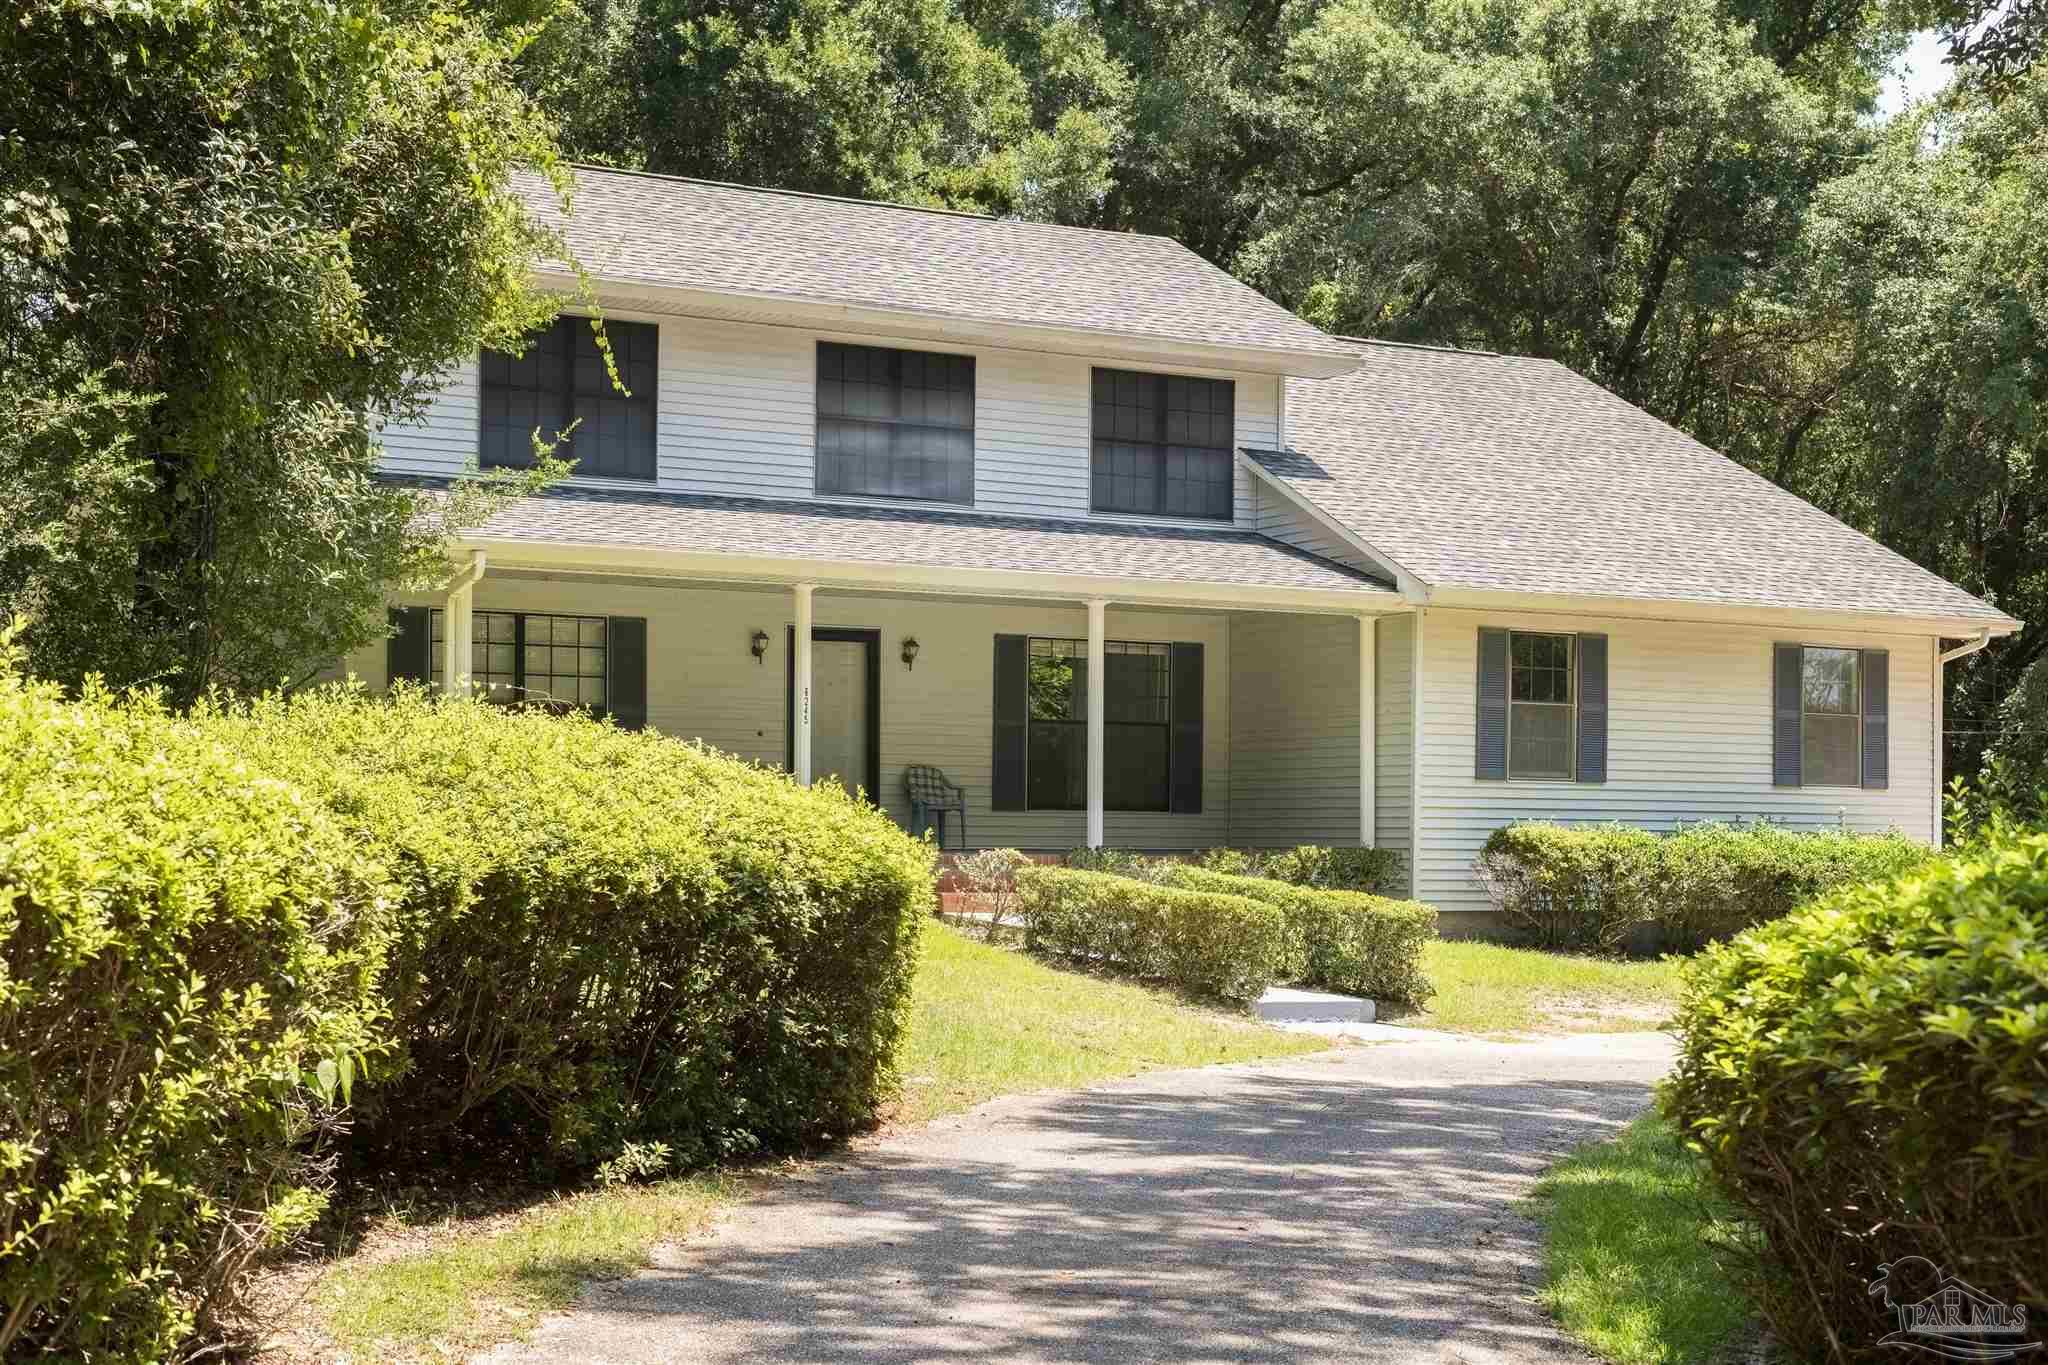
1689,739
1294,730
1275,517
446,439
736,416
703,683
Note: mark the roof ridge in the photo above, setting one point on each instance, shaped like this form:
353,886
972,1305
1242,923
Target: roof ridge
995,218
1423,346
789,194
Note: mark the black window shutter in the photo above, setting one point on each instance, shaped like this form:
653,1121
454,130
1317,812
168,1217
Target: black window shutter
1006,786
1491,757
1788,665
1184,753
1592,692
408,654
627,636
1877,749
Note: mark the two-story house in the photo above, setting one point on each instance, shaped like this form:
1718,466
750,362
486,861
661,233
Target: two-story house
1137,557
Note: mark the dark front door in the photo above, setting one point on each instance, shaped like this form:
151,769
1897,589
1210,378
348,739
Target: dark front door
846,707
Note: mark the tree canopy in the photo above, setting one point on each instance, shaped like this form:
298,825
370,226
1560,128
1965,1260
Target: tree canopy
233,238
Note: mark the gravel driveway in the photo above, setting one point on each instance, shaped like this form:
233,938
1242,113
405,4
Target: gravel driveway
1351,1205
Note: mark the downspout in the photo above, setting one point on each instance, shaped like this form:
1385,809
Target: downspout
468,574
1964,651
1942,658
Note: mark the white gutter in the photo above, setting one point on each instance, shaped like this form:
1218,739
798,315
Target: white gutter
1964,651
468,575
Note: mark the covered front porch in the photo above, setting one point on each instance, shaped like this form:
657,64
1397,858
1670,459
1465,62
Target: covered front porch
1104,714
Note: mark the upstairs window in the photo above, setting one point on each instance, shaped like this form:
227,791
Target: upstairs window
895,424
1163,444
561,379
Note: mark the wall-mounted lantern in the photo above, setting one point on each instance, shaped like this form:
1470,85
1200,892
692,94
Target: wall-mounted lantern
909,651
759,644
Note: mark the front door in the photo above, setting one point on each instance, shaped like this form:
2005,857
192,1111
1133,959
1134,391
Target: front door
846,675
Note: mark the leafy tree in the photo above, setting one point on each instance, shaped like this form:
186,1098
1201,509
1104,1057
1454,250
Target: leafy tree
233,239
886,99
1997,41
1925,270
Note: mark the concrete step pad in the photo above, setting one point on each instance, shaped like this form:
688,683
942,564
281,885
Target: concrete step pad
1292,1004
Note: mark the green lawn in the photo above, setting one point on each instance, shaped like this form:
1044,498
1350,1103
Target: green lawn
1488,988
985,1022
988,1021
489,1284
1630,1253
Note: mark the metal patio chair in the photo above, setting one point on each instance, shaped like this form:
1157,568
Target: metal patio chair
932,794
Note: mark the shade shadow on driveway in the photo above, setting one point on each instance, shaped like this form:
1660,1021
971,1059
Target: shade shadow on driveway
1355,1205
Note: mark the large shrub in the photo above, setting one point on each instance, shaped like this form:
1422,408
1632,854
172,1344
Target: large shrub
1337,940
1202,941
1593,887
1583,888
1869,1081
188,951
609,936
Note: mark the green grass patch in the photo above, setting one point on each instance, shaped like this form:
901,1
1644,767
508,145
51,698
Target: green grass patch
985,1021
1489,988
1630,1256
489,1284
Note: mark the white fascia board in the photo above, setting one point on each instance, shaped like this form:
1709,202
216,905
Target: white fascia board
871,577
1718,613
1105,342
1413,589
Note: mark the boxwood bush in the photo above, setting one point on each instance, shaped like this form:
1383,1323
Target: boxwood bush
1205,942
1593,887
1344,941
1337,869
188,955
1866,1078
608,936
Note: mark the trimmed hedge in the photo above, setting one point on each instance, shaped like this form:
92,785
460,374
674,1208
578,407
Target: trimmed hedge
1374,870
1337,940
188,954
1226,946
1866,1078
1592,887
608,936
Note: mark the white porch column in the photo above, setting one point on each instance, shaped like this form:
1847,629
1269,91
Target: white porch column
458,656
1368,638
800,742
1097,706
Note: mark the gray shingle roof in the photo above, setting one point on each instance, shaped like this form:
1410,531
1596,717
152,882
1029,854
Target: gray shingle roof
1505,473
779,529
690,234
